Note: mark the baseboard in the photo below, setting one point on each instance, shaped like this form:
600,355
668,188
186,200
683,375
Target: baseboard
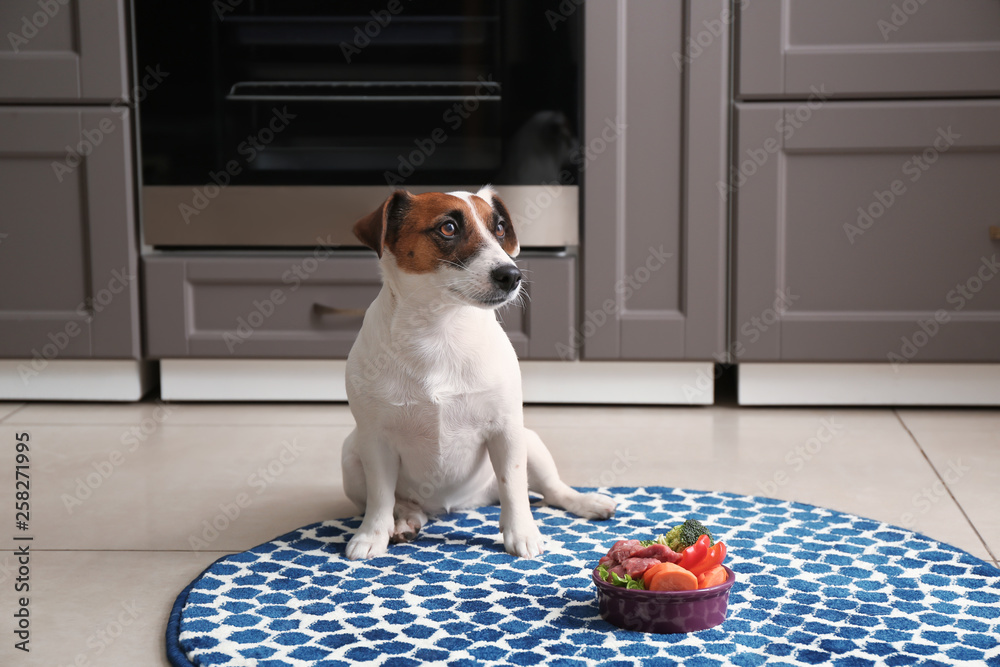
869,384
619,382
74,379
612,382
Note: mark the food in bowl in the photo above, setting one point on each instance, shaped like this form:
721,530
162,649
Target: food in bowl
674,583
682,559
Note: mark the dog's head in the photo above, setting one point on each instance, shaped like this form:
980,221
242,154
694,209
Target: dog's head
463,242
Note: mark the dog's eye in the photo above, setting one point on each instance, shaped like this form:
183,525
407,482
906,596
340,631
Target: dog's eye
499,230
448,228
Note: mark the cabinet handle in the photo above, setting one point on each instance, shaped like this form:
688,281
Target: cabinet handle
995,232
323,309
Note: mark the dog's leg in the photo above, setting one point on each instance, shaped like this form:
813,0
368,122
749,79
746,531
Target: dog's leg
352,472
508,455
543,478
410,518
380,467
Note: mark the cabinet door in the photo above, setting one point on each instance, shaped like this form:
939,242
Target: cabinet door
655,151
863,232
68,258
869,48
63,51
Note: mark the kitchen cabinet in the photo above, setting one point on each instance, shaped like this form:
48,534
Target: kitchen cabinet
310,305
63,51
869,48
654,228
868,224
68,257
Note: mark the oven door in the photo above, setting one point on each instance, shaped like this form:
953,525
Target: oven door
282,123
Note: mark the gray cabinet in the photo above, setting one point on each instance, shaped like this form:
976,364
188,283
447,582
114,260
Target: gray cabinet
869,48
68,258
862,231
311,305
63,51
654,230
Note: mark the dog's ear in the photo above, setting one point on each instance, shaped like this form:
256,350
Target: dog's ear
501,214
372,228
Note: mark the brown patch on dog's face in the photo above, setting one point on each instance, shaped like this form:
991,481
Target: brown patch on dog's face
501,226
427,230
438,228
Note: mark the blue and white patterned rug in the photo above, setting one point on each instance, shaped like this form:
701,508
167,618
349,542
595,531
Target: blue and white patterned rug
813,587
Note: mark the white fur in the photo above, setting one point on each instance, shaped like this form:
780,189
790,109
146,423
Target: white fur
434,386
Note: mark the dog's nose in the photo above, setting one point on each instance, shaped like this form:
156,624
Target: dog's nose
506,277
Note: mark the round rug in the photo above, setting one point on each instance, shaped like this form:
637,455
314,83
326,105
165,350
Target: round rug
814,586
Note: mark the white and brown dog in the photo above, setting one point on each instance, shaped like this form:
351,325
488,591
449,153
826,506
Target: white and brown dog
433,381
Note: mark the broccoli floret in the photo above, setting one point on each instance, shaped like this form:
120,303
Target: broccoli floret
681,537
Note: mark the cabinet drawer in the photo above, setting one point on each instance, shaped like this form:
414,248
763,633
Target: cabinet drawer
869,48
310,305
274,306
869,225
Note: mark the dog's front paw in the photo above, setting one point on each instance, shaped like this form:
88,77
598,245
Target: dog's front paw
366,545
523,541
592,506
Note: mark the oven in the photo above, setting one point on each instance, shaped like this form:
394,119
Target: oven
279,123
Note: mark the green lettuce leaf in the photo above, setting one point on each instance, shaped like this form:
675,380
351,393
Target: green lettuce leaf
626,582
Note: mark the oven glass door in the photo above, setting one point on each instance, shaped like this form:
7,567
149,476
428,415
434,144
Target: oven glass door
322,93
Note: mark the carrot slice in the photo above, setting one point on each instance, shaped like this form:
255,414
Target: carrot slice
672,578
647,576
713,577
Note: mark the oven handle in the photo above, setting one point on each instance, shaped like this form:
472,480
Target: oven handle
236,91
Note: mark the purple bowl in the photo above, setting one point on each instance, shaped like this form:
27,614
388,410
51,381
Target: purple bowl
664,611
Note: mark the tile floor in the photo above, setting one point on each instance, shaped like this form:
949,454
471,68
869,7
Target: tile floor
121,494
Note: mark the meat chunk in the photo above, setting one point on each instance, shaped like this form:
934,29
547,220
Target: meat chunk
623,549
618,569
660,552
607,560
634,567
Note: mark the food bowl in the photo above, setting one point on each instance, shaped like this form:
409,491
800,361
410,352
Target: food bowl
664,611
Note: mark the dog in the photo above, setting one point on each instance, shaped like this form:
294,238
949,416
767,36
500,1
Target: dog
433,381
